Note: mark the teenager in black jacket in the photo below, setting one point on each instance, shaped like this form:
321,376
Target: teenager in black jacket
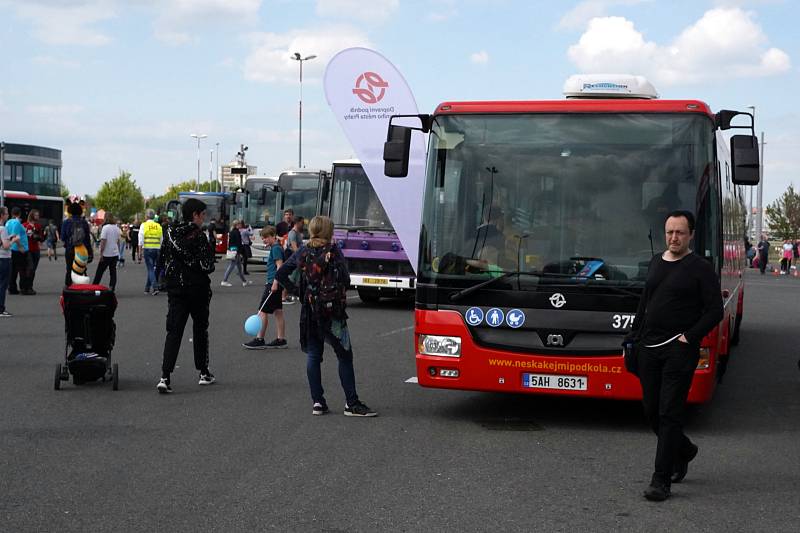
187,259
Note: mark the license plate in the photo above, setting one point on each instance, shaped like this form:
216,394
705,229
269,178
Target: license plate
553,381
375,281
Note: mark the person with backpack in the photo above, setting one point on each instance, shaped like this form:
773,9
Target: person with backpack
322,287
51,238
75,232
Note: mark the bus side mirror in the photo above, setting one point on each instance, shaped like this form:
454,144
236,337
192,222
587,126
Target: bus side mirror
744,160
395,152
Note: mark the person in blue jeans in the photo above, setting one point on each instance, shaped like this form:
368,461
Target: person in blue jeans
323,270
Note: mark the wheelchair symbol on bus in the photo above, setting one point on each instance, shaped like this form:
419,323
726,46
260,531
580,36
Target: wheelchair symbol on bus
474,316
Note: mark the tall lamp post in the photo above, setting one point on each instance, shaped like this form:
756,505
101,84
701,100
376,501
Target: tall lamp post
760,190
298,57
198,136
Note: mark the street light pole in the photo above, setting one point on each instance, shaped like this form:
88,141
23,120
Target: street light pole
216,170
750,217
198,136
298,57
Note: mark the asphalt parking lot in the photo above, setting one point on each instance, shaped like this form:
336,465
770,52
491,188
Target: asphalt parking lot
246,455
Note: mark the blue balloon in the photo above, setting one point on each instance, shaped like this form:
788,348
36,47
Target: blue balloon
252,325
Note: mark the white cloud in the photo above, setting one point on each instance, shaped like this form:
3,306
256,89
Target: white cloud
68,23
480,58
178,21
53,110
270,57
581,14
441,10
51,61
375,11
724,43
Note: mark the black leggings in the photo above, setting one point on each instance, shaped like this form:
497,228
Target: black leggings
111,264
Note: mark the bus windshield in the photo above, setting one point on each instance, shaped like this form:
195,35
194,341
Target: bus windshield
569,198
300,191
354,203
258,207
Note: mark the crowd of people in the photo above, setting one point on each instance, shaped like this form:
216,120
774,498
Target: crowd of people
179,259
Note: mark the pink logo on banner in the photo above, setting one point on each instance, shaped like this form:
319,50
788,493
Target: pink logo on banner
373,81
364,90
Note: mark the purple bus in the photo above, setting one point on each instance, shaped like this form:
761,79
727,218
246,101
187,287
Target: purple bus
375,257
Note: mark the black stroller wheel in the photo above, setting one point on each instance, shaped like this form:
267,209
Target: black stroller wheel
115,376
57,382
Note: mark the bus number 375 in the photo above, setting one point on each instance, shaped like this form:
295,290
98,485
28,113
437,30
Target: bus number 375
622,321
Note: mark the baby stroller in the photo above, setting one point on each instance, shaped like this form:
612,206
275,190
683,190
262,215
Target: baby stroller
90,332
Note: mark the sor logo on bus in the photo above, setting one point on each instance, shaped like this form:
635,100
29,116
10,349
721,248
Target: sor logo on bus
370,87
557,300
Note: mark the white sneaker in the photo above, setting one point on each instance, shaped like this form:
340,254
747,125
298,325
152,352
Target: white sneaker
246,283
226,284
5,314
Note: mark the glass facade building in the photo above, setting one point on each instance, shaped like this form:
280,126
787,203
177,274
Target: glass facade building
32,169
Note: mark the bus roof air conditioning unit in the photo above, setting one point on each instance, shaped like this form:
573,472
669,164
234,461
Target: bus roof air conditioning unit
609,86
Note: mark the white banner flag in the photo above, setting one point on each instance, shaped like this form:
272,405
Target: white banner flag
364,90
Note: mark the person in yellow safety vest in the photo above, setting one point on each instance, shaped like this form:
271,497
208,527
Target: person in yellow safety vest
150,237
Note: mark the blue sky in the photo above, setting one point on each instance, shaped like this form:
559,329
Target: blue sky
120,84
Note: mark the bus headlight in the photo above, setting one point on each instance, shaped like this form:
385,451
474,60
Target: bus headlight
440,345
705,359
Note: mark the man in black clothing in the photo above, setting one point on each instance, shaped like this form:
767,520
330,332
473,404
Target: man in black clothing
683,302
187,258
763,253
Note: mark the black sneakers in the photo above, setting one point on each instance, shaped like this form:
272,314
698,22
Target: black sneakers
278,343
319,409
682,466
206,378
658,491
163,386
358,409
255,344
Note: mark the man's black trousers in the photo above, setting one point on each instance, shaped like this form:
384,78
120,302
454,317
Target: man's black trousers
666,374
183,303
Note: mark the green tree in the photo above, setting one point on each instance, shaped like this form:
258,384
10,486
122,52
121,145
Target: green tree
783,215
64,191
159,203
121,196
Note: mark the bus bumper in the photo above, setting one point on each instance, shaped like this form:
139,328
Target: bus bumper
487,369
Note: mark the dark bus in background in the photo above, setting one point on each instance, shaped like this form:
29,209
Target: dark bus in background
258,206
303,191
376,259
49,207
217,212
539,222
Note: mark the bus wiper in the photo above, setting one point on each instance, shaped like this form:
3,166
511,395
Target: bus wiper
469,290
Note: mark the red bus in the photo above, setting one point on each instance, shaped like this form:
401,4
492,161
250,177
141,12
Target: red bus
539,222
217,210
49,207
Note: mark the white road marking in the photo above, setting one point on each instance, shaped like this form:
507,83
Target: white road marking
412,379
395,331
